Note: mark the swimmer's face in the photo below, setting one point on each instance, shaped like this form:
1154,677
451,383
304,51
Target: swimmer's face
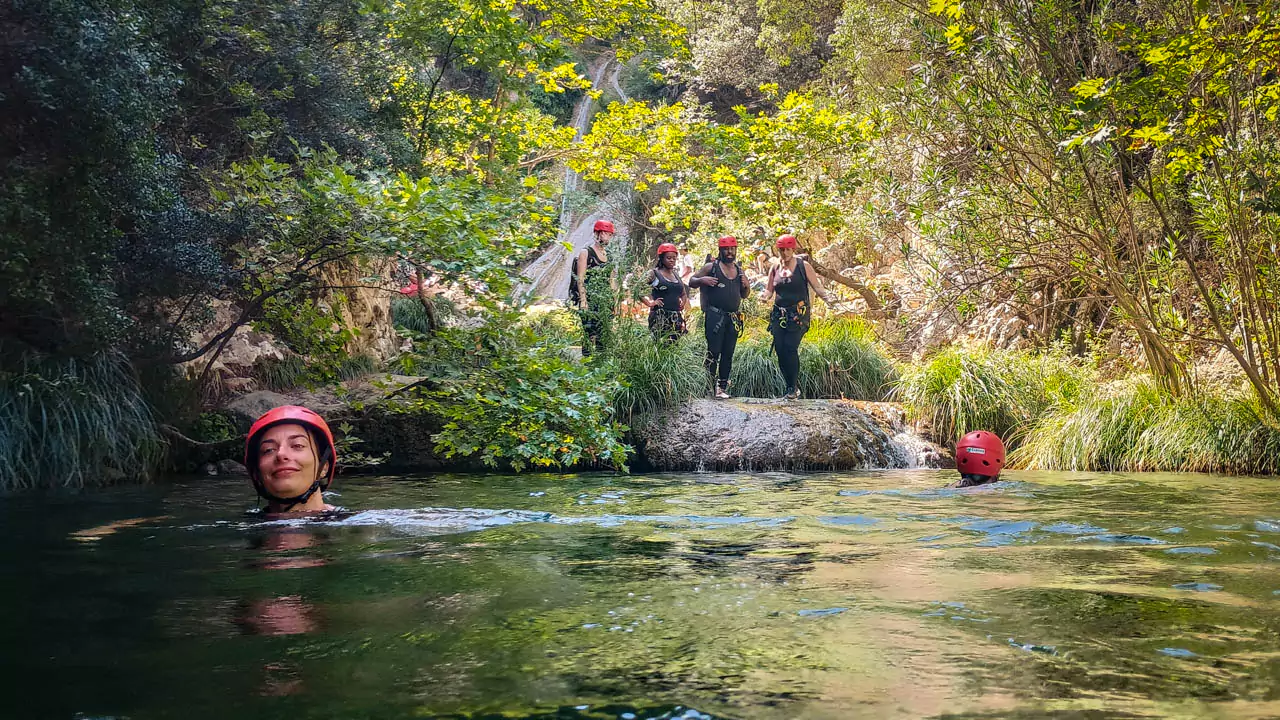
728,254
288,460
604,237
786,253
668,260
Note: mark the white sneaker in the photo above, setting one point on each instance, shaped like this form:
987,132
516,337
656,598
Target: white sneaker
722,395
793,395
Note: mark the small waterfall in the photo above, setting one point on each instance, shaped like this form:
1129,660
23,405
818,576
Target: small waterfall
547,277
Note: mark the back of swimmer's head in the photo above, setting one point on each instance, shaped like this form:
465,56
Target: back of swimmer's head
291,457
980,457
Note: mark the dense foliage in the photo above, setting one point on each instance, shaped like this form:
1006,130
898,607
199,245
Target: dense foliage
162,158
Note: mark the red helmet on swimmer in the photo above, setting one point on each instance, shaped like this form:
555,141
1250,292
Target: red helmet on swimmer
666,248
728,241
787,241
602,226
980,453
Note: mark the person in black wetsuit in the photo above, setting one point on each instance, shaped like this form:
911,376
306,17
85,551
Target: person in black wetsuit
669,299
789,283
724,285
590,288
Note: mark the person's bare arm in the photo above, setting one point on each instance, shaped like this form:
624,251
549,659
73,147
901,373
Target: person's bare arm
744,282
648,301
768,286
581,279
815,281
701,276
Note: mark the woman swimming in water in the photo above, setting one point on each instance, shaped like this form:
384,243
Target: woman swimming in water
291,458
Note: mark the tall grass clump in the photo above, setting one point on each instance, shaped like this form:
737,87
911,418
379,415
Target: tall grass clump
1133,425
295,371
839,358
755,369
408,313
75,422
655,374
965,388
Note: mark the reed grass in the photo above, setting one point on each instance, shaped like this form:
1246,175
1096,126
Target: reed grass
407,313
294,371
557,323
840,358
974,387
1132,425
74,422
655,374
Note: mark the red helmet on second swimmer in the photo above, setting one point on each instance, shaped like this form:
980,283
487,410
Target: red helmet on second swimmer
666,248
787,241
728,241
279,416
980,453
602,226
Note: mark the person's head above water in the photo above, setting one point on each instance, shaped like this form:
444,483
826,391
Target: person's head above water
979,458
291,458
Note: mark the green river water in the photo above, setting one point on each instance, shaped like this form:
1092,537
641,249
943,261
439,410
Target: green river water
753,596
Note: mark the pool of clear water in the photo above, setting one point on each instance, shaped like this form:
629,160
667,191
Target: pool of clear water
754,596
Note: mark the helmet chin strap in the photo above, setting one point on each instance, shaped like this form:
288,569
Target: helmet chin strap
289,502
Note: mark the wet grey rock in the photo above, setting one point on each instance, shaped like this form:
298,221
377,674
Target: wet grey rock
762,435
231,468
224,468
243,410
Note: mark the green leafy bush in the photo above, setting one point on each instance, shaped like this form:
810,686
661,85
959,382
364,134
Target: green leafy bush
510,398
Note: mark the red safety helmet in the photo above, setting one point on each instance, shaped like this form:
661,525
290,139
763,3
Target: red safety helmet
280,416
787,241
728,241
602,226
980,453
666,248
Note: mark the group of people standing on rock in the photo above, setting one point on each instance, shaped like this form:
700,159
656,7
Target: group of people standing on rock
722,285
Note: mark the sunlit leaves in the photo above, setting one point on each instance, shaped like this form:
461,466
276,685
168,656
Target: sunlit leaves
789,168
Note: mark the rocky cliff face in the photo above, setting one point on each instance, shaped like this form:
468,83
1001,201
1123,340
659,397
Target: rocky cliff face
365,307
762,435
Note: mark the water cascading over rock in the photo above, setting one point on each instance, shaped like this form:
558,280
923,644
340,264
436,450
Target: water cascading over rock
763,435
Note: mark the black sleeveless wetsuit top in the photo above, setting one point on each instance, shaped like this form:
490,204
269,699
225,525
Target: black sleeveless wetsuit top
792,290
593,262
666,291
727,298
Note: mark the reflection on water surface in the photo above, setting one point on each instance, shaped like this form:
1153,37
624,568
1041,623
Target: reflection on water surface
693,596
